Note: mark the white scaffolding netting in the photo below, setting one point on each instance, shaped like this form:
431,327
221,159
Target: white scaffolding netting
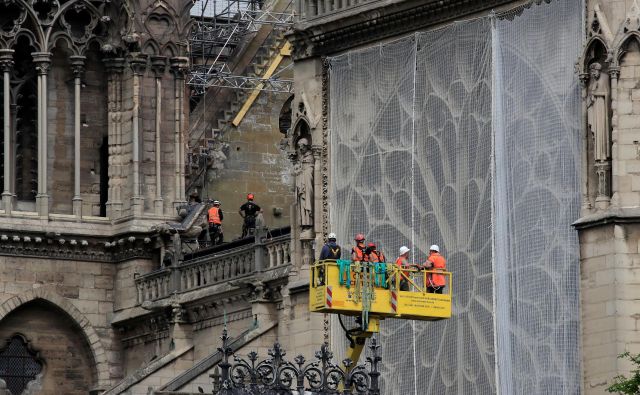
413,124
537,146
411,145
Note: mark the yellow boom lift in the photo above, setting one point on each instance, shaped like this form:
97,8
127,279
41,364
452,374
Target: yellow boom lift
371,292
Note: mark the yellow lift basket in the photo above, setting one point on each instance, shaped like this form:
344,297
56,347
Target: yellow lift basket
354,288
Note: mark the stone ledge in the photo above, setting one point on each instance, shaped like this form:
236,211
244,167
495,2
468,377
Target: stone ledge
205,364
612,216
147,371
324,36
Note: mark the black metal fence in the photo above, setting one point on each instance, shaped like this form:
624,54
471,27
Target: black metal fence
277,376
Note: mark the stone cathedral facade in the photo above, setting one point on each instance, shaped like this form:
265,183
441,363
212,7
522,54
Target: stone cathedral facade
102,292
576,59
94,115
95,295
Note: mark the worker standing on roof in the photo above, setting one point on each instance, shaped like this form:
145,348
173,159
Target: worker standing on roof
358,252
373,254
436,262
403,261
215,218
331,250
248,212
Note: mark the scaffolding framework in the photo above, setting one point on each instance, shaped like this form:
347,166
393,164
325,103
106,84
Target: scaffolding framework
220,26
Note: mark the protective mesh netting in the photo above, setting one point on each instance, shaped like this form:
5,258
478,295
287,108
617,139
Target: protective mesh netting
536,115
411,156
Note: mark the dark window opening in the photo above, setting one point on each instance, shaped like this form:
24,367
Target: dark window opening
19,364
285,116
104,176
26,128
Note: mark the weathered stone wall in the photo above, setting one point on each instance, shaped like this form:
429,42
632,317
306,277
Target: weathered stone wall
60,133
626,166
125,287
148,142
256,164
93,134
69,367
84,290
610,235
93,110
610,280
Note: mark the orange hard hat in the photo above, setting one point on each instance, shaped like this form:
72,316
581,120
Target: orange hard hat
359,237
371,245
250,196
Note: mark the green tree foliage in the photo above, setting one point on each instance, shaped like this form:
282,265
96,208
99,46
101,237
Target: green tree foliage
631,385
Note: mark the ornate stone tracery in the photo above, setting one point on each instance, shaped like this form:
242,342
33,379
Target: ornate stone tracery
114,30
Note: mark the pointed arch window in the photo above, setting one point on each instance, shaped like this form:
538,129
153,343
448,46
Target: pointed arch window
19,364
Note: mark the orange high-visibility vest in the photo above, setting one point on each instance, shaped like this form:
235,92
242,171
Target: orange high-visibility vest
214,216
376,256
357,254
439,264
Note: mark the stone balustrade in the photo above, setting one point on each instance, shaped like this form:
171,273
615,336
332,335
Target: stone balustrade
312,9
155,285
214,269
217,269
278,252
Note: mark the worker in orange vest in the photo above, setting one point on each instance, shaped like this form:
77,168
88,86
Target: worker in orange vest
358,252
403,261
373,254
215,218
435,262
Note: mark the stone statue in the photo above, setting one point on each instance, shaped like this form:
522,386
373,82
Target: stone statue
304,183
598,112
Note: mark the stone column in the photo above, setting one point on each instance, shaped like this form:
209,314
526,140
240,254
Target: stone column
603,167
138,65
179,68
614,72
586,203
8,193
77,66
181,331
115,68
158,64
42,61
317,197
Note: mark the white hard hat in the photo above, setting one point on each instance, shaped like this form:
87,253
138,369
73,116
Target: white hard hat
331,236
434,248
404,250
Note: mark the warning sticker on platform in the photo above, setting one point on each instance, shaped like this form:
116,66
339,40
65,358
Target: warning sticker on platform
418,304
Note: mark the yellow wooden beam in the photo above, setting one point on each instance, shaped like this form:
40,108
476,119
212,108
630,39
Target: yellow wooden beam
284,51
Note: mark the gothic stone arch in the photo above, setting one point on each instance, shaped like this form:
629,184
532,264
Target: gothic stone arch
48,294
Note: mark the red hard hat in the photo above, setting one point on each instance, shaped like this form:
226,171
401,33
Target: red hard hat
371,245
250,196
359,237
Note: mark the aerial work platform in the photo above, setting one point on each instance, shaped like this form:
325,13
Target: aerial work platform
373,289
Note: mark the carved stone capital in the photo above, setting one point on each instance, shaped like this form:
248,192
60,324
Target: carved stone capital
178,314
317,151
6,59
158,65
138,63
42,61
77,65
179,66
614,72
114,65
584,79
603,169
